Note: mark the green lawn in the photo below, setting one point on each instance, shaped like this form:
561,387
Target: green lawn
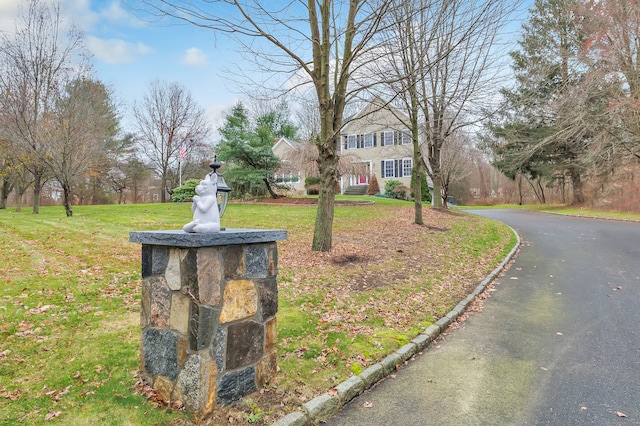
70,294
561,209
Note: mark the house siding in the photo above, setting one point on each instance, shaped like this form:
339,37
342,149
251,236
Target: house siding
391,142
281,147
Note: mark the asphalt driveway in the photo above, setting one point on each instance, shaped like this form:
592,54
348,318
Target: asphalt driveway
557,343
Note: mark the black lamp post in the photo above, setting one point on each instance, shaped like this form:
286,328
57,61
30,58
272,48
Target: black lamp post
223,189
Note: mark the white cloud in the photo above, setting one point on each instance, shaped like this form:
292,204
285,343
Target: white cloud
79,11
116,51
217,114
194,57
8,13
117,14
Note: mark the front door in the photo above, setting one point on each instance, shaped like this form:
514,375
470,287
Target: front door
364,179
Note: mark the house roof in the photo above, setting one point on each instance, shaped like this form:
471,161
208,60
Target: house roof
376,105
282,141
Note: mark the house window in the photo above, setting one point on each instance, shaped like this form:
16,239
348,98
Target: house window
389,168
387,138
352,142
406,138
407,166
369,140
286,178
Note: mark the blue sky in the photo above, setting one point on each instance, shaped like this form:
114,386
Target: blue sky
130,52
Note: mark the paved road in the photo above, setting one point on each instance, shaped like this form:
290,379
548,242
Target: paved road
557,343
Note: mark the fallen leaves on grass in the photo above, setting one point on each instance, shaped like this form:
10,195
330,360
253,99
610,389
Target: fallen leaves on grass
10,395
52,415
154,398
57,394
40,309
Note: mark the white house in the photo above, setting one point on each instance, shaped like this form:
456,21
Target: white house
378,138
375,137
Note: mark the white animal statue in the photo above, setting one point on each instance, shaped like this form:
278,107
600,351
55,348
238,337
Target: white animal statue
206,216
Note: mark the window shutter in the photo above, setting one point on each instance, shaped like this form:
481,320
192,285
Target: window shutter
345,142
398,169
374,138
382,171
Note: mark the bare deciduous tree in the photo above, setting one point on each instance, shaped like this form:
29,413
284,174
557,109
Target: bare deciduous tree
457,69
402,68
612,32
37,62
456,162
324,40
308,120
438,65
77,134
166,120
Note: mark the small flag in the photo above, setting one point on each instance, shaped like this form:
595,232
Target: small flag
183,150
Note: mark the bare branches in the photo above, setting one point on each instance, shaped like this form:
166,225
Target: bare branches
167,120
438,64
38,63
323,40
303,157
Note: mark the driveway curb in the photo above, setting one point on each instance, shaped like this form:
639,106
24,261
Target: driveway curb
322,407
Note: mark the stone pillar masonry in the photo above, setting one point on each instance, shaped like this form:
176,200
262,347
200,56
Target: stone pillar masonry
208,316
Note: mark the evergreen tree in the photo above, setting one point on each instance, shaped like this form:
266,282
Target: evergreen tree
532,137
275,123
247,149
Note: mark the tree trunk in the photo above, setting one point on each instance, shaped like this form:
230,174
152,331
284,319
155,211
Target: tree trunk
416,183
416,176
270,189
66,194
322,231
37,186
445,195
437,182
163,189
576,181
542,196
435,150
519,186
4,193
328,169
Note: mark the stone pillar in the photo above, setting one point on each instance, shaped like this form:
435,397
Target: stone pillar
208,316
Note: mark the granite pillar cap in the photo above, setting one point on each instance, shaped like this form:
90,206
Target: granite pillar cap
228,236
